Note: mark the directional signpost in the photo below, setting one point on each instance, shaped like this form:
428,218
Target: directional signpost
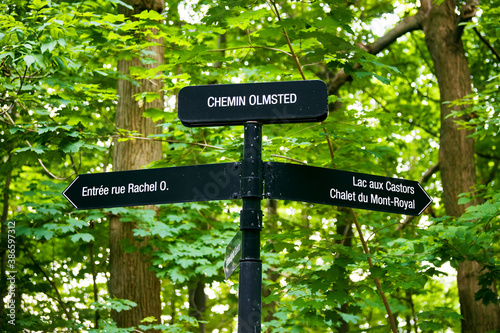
251,105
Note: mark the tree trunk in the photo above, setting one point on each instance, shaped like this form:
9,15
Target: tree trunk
131,277
198,302
344,228
456,152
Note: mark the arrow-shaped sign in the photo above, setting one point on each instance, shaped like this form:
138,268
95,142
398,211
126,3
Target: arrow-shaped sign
155,186
342,188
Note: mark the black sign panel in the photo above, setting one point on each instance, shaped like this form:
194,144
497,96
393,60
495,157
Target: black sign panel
155,186
343,188
233,255
236,104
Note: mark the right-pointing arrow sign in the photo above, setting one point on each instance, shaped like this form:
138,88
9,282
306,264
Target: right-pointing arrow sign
342,188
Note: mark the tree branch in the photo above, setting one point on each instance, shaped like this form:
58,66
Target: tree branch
166,140
250,47
390,316
408,24
51,282
289,158
425,178
487,43
467,12
428,131
292,52
493,172
12,122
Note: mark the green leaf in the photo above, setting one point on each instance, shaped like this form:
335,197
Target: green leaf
40,233
362,74
121,3
37,149
177,276
464,200
151,319
48,46
61,42
83,237
6,54
14,130
101,72
382,79
37,4
116,304
77,223
60,63
349,318
150,15
73,147
154,113
29,60
148,96
418,247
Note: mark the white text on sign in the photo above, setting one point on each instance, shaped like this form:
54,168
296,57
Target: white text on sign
94,191
388,186
271,99
376,199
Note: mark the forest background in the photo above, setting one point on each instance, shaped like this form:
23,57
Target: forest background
91,86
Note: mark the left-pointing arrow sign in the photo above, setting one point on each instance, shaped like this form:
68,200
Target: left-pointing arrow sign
155,186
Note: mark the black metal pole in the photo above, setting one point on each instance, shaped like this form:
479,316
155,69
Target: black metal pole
250,275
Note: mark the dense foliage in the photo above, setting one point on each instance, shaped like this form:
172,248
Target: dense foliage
58,64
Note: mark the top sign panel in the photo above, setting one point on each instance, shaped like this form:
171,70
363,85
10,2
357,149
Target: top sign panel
268,103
